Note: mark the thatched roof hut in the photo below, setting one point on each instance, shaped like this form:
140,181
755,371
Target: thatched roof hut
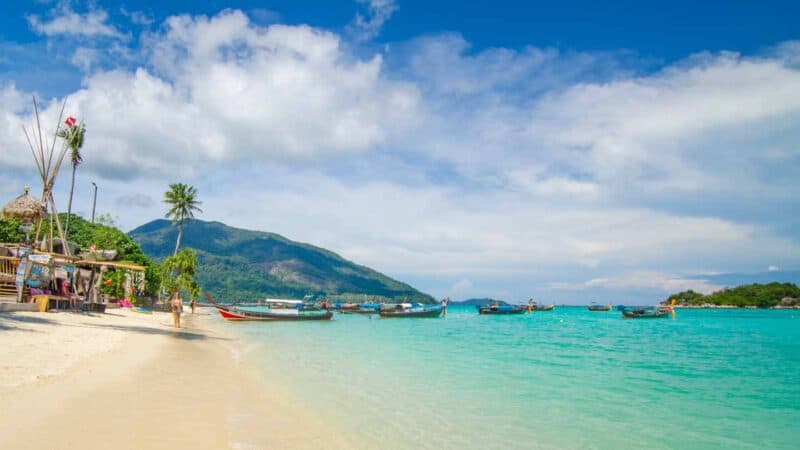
25,207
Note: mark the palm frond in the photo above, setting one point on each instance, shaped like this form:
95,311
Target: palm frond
183,202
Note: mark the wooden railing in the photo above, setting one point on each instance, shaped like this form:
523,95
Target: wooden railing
8,265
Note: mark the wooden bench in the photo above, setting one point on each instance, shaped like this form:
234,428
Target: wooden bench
49,301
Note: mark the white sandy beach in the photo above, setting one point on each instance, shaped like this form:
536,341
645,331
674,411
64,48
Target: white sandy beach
127,380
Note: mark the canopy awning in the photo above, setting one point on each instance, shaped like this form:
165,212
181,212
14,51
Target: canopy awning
58,257
117,264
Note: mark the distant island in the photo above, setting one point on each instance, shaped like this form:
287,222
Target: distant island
237,264
478,302
771,295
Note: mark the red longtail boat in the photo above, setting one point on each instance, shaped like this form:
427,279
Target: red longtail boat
297,311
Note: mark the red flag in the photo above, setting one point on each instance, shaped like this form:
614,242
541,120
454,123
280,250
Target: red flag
70,121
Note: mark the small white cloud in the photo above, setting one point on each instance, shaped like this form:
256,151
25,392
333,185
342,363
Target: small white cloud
65,21
137,200
365,28
462,285
140,18
85,58
773,268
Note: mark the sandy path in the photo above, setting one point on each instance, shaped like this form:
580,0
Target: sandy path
156,389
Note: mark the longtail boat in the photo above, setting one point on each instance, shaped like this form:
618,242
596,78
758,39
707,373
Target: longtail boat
502,309
419,311
596,307
358,308
649,312
538,307
299,311
237,313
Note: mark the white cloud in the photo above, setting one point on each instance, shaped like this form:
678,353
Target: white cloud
367,27
461,285
14,151
439,161
633,124
85,58
65,21
140,18
445,232
225,90
773,268
650,280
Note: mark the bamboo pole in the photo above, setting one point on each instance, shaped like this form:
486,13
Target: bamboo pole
50,244
33,152
39,130
64,243
38,229
58,125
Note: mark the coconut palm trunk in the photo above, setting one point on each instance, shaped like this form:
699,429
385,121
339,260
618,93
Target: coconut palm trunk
69,202
178,242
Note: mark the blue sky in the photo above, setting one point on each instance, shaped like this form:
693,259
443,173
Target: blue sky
571,151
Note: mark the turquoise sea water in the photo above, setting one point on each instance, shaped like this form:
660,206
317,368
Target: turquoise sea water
569,378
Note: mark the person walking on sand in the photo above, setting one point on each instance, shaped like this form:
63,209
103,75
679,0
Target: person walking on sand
191,304
177,309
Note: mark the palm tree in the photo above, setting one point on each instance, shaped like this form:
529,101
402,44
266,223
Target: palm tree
183,201
73,135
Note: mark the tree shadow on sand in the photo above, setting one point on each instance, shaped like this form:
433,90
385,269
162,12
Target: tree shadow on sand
182,334
10,321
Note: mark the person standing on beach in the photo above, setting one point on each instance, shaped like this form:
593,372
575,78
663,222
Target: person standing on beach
177,309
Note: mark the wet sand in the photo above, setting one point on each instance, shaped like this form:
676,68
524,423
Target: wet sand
153,388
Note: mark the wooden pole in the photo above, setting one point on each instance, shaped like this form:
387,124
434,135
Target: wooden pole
38,229
50,244
33,151
64,244
26,270
39,129
58,125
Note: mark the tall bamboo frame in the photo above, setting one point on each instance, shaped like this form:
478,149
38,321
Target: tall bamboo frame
48,163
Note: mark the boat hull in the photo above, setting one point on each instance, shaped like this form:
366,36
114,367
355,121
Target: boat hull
490,311
357,311
543,308
426,313
647,312
240,315
600,308
658,315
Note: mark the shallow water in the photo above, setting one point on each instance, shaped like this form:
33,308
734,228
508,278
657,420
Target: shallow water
569,378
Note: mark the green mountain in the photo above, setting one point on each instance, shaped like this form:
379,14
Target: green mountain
237,264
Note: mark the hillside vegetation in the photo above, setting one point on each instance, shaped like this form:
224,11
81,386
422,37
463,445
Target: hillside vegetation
760,295
236,264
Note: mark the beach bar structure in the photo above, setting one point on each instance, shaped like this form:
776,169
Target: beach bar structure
91,273
59,281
